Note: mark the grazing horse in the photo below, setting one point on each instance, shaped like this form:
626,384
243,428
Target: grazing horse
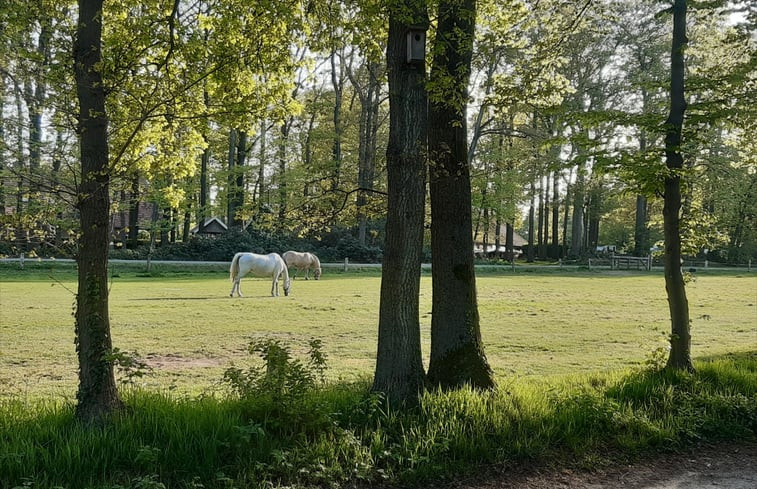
270,265
304,261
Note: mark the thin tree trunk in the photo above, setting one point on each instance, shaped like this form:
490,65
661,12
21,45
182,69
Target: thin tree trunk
680,338
282,180
203,209
577,228
337,83
134,212
457,353
555,251
531,225
260,182
540,221
641,229
399,367
97,395
231,178
545,243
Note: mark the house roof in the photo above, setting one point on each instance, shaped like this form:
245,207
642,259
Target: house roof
211,225
518,240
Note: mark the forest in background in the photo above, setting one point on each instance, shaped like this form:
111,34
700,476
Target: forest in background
273,117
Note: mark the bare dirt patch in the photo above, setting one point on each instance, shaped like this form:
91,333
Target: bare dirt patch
178,362
724,466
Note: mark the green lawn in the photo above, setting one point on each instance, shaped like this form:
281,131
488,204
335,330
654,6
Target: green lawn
189,330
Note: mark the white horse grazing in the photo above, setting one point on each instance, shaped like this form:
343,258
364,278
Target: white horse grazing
304,261
270,265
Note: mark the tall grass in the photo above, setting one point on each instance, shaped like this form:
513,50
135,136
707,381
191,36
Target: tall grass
340,433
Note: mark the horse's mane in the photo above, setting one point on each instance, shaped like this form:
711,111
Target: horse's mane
316,260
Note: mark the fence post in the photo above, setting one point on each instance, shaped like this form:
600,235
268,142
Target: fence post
560,262
706,263
649,262
512,264
749,265
346,263
590,264
21,260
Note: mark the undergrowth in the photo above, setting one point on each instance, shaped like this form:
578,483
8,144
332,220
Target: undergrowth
280,425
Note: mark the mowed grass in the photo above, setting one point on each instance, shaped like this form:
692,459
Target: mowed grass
189,330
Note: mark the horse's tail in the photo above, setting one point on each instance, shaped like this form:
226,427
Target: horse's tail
234,269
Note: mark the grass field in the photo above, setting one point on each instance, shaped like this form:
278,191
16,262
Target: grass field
189,330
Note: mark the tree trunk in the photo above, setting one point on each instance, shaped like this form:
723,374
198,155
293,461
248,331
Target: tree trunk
231,178
399,367
97,395
283,199
577,228
259,189
545,237
680,338
641,231
133,238
235,219
530,255
457,354
555,248
540,221
337,83
3,165
369,105
203,210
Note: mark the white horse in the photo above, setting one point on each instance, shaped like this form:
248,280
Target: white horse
270,265
304,261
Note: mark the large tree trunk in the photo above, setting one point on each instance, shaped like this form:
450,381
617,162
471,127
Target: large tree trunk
680,338
97,395
457,354
399,367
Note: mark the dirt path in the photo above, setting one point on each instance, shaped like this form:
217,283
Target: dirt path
728,466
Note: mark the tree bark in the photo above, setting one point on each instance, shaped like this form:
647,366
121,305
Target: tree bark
577,227
530,255
555,248
457,354
202,211
399,367
282,180
97,395
231,179
680,338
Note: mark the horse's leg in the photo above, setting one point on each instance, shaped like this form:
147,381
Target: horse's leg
307,273
275,286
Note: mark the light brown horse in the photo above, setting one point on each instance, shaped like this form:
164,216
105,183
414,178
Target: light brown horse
303,261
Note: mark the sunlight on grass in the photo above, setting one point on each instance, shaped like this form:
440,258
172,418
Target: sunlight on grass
188,330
